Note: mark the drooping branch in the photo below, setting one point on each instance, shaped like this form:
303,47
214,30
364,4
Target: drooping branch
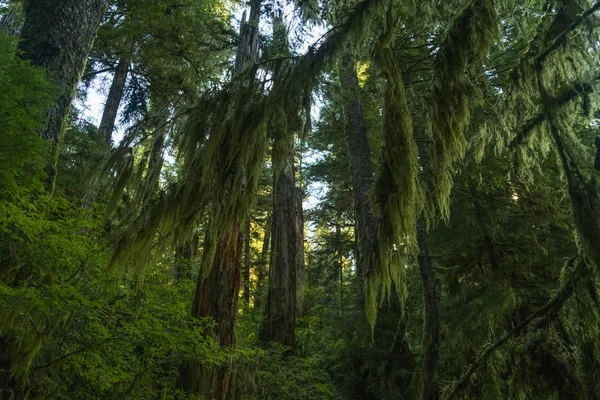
455,93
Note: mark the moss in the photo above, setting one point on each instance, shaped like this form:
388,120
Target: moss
398,193
456,91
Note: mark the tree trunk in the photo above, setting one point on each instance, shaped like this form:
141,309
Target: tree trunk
216,296
247,51
430,348
58,35
115,95
12,22
359,154
280,315
246,272
261,268
300,264
390,317
182,267
155,158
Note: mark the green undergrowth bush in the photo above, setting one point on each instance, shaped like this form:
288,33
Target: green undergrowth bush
70,329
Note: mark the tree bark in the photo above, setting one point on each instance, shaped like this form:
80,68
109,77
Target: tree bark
430,349
58,35
216,296
115,95
155,158
246,272
361,167
261,269
280,313
300,264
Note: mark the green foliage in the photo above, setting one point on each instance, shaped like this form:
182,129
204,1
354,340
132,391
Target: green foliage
71,330
26,93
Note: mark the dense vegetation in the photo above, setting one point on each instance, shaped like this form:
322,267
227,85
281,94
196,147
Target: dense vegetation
318,200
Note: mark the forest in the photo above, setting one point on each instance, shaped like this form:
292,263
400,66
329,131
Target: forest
300,199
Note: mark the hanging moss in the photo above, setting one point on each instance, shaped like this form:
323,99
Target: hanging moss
398,193
223,152
455,93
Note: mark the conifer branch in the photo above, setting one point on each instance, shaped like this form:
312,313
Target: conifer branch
541,314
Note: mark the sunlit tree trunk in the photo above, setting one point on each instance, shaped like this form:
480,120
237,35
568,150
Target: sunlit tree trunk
246,271
261,269
216,296
58,35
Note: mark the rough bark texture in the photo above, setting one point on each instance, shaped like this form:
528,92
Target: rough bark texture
261,268
361,167
247,51
58,35
280,313
111,107
430,348
300,264
246,271
216,296
12,22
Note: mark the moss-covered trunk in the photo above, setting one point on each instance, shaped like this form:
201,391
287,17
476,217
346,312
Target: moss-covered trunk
361,167
216,296
58,35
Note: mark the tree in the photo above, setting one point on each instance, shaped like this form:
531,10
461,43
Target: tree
58,35
281,306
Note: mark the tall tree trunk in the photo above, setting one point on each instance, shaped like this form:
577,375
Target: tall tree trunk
431,328
216,296
398,355
58,35
300,264
246,271
115,95
12,22
261,268
280,313
361,166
